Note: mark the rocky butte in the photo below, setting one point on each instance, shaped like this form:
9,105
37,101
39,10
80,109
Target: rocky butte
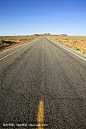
47,34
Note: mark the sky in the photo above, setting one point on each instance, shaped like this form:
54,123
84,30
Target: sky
26,17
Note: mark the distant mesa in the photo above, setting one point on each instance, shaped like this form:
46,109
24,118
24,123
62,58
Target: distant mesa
22,35
47,34
40,34
35,35
63,35
60,35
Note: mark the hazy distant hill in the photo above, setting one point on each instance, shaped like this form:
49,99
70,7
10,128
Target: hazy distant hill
48,34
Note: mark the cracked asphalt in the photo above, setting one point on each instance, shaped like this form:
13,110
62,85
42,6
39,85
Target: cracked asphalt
43,71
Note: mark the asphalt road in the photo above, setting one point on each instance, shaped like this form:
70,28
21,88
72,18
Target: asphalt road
43,71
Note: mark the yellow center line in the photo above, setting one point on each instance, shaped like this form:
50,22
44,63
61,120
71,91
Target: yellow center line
40,117
42,46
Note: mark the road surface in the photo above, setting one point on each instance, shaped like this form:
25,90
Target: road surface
43,78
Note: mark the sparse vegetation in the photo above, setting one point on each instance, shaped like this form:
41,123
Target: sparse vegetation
10,40
74,42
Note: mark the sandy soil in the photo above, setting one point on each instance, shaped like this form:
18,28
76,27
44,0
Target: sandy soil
79,45
12,48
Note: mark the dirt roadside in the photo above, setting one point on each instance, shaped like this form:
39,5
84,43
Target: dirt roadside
75,42
14,47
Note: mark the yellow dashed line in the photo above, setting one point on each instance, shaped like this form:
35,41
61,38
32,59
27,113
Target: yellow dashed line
42,46
40,117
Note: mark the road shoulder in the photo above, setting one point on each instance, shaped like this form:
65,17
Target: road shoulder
12,48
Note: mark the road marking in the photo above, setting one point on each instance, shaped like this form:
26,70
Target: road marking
71,52
42,46
40,117
15,51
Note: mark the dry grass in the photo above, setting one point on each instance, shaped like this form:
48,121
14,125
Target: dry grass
75,42
10,40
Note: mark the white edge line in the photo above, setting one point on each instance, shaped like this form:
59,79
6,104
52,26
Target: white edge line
69,51
15,51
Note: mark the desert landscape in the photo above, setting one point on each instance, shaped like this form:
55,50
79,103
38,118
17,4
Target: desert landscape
43,64
6,41
75,42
